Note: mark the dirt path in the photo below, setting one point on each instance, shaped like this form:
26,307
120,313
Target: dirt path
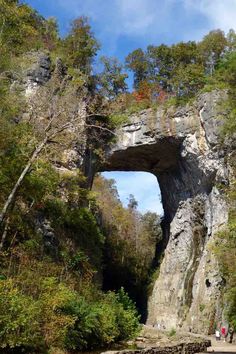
221,346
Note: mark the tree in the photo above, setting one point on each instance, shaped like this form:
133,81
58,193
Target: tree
227,70
80,45
211,49
132,204
151,223
131,239
160,65
20,27
112,79
231,40
184,53
50,35
188,79
137,62
57,119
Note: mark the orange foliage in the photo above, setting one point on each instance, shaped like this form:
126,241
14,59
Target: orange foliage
151,92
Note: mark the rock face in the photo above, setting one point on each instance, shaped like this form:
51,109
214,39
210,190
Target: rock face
182,149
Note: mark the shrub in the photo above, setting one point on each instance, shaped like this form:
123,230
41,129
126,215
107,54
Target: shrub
114,317
61,318
19,318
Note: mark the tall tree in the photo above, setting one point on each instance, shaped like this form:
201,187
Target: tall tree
132,204
80,45
211,49
112,79
160,65
137,62
50,33
231,40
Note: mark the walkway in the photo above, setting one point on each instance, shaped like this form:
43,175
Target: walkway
221,347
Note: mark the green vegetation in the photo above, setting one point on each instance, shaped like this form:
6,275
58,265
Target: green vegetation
132,243
225,246
182,70
57,316
225,250
51,243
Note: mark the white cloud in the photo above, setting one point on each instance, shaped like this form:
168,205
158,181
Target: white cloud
143,186
152,19
116,18
220,13
136,16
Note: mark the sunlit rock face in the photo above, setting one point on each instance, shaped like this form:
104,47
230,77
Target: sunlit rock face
181,148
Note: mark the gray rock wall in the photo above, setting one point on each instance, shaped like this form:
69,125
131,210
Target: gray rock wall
182,149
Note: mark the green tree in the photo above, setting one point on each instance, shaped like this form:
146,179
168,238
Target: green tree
231,40
137,62
188,80
211,49
184,53
50,33
80,45
132,203
227,74
160,65
20,27
112,79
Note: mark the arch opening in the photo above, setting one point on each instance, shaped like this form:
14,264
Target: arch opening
131,218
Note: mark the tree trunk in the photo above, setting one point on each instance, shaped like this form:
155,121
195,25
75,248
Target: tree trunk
4,235
18,183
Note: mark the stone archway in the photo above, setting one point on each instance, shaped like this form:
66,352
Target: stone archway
181,148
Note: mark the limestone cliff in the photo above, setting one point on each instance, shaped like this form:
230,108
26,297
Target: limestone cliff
182,148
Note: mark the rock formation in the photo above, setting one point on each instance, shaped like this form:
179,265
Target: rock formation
181,147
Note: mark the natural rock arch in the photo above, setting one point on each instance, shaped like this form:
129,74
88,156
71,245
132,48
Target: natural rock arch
181,148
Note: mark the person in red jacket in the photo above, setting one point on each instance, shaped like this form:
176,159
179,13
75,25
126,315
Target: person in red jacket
223,332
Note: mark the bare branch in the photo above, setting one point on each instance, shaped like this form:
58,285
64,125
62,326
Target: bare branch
101,128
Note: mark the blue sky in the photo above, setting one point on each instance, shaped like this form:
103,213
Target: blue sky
142,185
124,25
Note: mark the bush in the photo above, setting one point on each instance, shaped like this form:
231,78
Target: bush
112,318
19,318
59,317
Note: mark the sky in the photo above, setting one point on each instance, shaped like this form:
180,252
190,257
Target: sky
124,25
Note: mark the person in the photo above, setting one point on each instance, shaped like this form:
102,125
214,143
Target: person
217,334
231,334
223,332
